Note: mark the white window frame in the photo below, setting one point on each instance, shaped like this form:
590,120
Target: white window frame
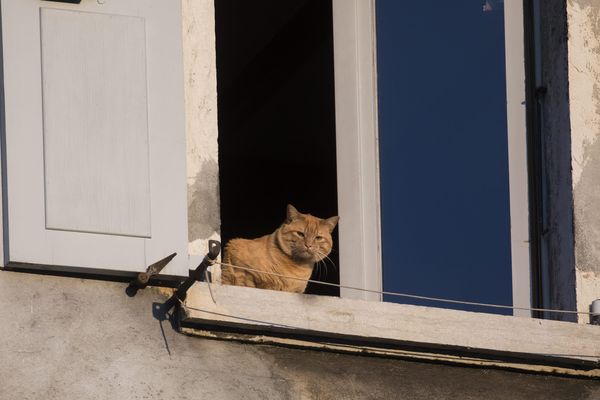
357,147
355,63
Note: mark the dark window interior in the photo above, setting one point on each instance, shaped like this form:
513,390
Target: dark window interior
276,117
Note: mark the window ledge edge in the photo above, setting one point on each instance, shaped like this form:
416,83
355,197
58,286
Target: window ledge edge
388,329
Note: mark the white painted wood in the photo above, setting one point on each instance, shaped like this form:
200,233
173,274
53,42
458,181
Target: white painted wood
267,310
357,147
517,156
95,122
29,239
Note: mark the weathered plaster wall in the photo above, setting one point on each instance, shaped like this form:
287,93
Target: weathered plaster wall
201,123
584,96
557,243
67,338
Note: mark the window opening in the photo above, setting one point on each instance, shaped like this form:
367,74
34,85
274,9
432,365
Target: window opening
276,117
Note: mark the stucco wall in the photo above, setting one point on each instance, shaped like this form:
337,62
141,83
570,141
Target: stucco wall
69,339
584,97
201,124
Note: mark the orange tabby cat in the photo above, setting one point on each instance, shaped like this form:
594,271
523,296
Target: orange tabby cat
292,250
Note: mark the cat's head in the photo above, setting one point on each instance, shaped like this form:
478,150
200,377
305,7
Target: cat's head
305,237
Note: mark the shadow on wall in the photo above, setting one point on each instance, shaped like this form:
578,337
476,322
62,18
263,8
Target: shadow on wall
203,202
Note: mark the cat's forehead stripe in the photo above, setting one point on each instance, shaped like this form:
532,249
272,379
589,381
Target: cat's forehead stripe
309,224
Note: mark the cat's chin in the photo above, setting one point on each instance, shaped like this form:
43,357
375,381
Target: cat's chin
305,256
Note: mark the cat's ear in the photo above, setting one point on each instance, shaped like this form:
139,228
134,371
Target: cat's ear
292,213
331,222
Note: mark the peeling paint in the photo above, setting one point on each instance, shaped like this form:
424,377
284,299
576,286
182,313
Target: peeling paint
584,98
399,354
203,202
201,124
586,195
584,80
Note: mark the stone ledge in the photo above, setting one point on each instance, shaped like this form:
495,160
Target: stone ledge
465,337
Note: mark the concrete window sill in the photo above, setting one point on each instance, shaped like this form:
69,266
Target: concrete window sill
390,329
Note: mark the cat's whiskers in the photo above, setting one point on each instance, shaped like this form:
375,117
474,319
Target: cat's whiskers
321,270
318,268
324,258
322,264
332,263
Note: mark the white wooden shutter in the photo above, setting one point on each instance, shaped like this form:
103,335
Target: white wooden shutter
95,141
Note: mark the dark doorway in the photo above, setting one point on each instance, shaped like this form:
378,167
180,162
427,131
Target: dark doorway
276,116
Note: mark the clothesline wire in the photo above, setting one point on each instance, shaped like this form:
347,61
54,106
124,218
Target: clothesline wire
405,295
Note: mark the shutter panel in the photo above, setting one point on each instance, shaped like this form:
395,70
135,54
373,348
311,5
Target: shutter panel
95,140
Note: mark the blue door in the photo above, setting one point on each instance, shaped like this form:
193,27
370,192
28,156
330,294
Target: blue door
443,151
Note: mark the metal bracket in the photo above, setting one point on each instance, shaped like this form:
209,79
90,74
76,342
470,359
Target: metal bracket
214,249
142,279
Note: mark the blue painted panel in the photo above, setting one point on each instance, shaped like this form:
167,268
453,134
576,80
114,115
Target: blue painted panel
443,150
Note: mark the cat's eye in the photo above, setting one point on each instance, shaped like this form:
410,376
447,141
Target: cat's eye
299,233
319,238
